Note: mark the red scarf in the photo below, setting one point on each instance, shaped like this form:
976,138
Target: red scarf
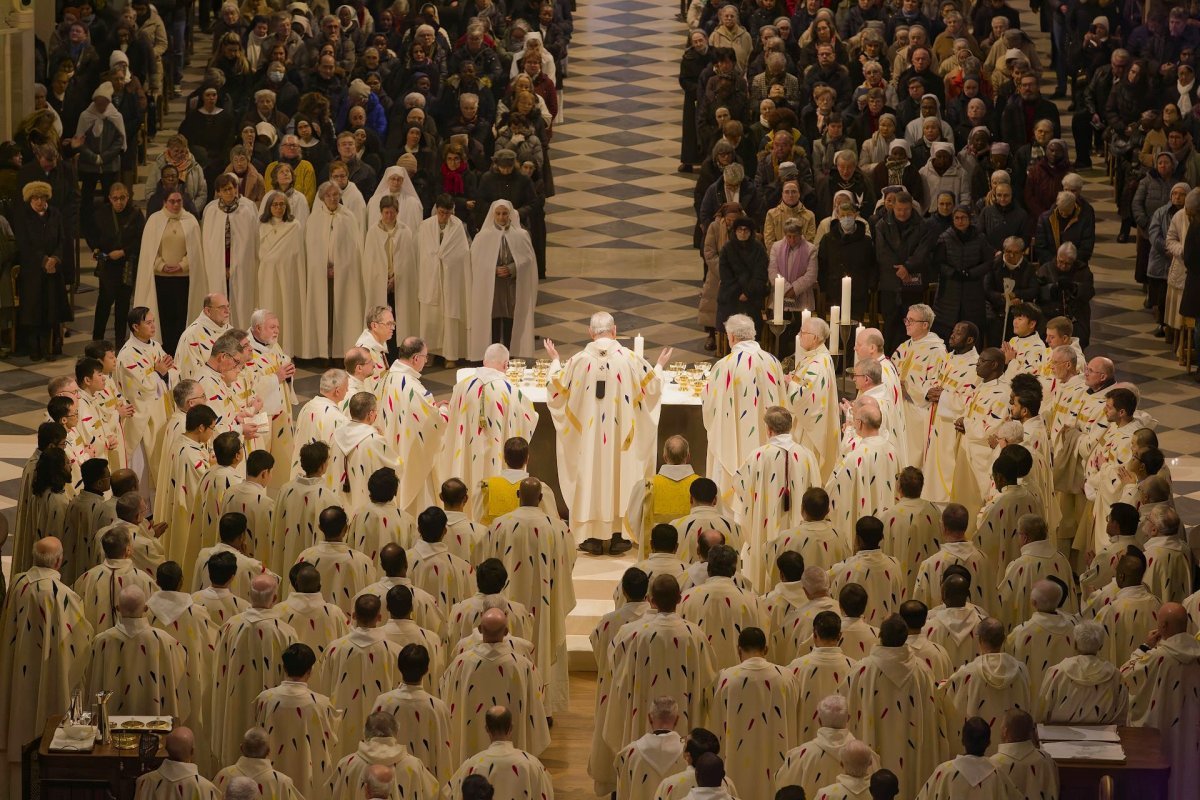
452,179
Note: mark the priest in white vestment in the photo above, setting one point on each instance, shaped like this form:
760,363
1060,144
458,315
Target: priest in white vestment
696,744
195,345
864,479
379,746
894,708
144,667
954,385
1046,637
228,471
250,499
657,654
294,523
648,760
1085,688
359,450
817,761
144,376
504,285
414,425
393,561
1039,559
812,395
321,416
1019,758
380,522
755,709
853,781
511,771
740,389
912,526
721,609
1163,677
996,533
345,572
186,395
380,330
334,301
433,567
100,585
1132,613
952,624
423,719
792,621
269,375
177,776
988,686
1103,460
302,725
86,513
770,485
229,232
485,411
486,673
821,672
814,539
955,550
970,776
443,282
605,406
248,661
873,569
48,636
987,407
1169,560
280,249
255,765
918,362
916,616
537,553
317,622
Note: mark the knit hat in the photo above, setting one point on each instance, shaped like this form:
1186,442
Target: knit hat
1100,22
1001,149
504,156
118,56
743,222
902,144
1013,53
104,90
359,88
941,147
36,189
268,130
409,162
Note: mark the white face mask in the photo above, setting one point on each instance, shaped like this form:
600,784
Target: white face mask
275,76
847,224
1012,264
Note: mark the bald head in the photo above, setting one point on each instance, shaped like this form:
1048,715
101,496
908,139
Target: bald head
493,625
379,781
1172,619
676,450
241,788
1018,727
990,635
48,553
263,589
530,492
181,745
131,602
1045,596
856,758
496,357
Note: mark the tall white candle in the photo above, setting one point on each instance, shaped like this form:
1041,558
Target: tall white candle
639,346
804,316
797,346
779,288
846,297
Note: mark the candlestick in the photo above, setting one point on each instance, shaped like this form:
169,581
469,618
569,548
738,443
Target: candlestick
835,335
639,346
846,296
779,288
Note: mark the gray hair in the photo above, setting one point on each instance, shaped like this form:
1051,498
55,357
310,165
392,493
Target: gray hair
1011,431
376,787
740,327
376,313
1001,176
260,317
1032,527
664,708
856,758
602,322
776,60
815,580
468,97
262,598
1014,241
414,100
923,310
1069,250
778,420
495,353
1165,519
256,743
47,558
1045,596
241,788
325,188
229,343
331,379
380,725
846,156
833,712
1089,638
871,370
1072,181
734,173
818,327
182,391
867,412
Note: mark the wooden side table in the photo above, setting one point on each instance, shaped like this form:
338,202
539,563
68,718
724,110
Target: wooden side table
1143,774
101,774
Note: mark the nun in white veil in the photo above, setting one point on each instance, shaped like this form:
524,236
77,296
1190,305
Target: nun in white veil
390,268
504,285
334,304
397,183
281,265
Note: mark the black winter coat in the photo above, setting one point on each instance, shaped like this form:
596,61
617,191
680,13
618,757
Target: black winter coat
743,272
43,294
1069,294
963,259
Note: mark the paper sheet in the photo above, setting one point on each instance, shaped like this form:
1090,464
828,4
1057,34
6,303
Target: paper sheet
1084,751
1078,733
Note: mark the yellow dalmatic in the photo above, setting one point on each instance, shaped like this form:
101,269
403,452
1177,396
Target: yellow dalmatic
664,497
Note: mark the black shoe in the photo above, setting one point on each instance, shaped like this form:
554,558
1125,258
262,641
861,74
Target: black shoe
1083,163
1160,333
592,546
618,545
36,355
1059,94
685,168
710,343
52,356
1123,238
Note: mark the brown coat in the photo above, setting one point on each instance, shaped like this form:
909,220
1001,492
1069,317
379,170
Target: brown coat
714,239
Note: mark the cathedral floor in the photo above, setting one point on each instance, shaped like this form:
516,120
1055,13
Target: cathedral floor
620,240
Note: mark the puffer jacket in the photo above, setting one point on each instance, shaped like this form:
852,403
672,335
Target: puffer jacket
963,259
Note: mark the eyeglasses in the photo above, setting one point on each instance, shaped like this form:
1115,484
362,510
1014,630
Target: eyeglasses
911,321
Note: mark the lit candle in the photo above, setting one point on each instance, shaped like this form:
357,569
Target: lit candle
846,297
797,346
779,287
804,316
639,346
